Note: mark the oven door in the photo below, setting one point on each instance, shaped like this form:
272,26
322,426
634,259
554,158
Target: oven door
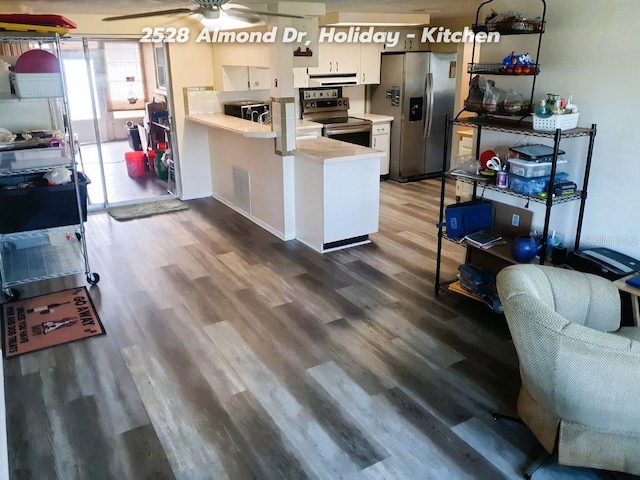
360,135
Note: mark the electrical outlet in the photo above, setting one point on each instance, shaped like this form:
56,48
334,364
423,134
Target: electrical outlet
515,220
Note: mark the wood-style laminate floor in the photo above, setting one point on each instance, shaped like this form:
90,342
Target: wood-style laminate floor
230,354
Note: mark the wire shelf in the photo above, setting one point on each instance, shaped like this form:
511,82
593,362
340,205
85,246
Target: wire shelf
37,37
492,186
509,125
41,261
499,69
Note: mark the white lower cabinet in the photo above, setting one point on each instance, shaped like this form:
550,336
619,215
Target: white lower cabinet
380,140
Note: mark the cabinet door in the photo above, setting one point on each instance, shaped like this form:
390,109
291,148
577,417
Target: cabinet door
370,63
300,77
409,41
381,142
325,60
235,79
259,78
346,58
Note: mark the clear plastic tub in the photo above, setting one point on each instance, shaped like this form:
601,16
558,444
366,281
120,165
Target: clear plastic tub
533,186
529,169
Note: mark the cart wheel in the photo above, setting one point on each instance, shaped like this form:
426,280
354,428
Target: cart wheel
11,294
93,278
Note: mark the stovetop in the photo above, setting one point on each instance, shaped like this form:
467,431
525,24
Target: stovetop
341,121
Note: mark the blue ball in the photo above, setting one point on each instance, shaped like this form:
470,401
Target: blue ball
524,249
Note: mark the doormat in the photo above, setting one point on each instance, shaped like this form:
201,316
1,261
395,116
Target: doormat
48,320
143,210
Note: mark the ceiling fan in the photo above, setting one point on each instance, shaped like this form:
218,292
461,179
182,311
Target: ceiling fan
209,9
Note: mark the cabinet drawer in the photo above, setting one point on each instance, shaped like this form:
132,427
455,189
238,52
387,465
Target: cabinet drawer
382,128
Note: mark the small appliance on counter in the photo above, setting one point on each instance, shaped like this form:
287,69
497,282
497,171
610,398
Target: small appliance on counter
252,110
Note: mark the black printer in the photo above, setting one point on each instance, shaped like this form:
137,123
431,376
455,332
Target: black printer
604,262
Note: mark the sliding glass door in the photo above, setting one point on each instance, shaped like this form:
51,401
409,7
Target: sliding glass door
112,90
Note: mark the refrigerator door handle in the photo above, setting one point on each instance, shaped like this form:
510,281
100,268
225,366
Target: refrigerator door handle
429,109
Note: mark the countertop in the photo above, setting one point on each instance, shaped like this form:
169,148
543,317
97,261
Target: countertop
320,149
233,124
326,150
374,117
302,125
245,127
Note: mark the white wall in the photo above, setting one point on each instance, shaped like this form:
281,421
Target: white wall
590,49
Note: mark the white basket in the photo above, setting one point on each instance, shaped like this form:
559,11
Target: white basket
38,85
563,122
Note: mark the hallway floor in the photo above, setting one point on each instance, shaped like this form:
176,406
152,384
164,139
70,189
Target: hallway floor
120,187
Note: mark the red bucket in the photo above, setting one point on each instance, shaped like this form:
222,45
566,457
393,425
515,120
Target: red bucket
135,163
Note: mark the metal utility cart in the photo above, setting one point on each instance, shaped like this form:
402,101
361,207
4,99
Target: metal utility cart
42,233
502,255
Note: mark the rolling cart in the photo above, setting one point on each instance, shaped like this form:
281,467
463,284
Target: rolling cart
42,233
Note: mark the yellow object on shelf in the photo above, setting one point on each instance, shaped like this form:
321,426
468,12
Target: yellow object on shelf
456,287
23,27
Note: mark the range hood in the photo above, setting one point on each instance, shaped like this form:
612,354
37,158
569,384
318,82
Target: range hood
336,80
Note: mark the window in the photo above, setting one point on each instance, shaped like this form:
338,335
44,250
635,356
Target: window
80,106
124,75
161,67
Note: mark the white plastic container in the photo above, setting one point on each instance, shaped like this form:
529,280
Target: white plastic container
566,121
38,85
530,169
5,84
34,158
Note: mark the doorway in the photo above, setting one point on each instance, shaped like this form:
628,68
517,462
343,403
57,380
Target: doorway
113,103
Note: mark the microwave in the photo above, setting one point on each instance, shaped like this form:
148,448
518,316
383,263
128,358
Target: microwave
247,109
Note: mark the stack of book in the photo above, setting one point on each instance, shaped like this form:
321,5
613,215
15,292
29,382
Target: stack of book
484,239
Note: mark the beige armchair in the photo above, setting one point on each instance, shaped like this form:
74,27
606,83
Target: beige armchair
580,371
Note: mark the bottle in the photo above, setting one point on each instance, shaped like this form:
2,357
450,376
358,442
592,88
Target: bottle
542,110
46,309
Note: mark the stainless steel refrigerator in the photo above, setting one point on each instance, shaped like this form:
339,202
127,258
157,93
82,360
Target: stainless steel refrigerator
417,89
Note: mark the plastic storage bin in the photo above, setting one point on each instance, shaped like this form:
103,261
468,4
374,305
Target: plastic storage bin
468,217
34,158
529,169
533,186
135,164
133,135
563,122
37,208
161,169
476,280
38,85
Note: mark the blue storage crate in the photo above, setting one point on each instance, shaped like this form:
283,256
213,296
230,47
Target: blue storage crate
468,217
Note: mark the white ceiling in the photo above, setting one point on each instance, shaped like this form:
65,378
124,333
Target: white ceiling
439,9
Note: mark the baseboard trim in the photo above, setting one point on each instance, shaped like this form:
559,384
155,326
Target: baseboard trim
255,220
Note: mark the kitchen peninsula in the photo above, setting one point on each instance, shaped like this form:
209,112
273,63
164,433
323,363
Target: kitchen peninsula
326,194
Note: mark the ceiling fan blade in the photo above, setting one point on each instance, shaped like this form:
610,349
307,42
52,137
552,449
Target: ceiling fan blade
243,14
268,14
157,13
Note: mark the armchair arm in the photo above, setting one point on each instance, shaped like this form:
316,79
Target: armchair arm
598,380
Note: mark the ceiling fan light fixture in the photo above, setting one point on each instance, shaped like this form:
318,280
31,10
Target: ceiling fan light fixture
223,21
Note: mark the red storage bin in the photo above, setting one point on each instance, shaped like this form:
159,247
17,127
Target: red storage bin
135,163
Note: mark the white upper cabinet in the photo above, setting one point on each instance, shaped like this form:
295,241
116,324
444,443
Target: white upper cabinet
337,58
409,41
259,78
369,63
